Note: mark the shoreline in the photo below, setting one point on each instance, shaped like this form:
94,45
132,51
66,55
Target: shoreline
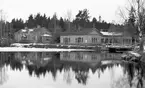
23,49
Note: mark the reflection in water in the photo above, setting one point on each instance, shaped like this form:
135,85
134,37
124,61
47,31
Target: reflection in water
76,63
3,71
134,76
73,65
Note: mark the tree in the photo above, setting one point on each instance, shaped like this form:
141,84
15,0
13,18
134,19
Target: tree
82,18
68,19
62,24
54,21
17,24
94,21
44,21
137,18
31,22
38,19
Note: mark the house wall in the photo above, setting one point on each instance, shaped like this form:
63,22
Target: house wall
46,39
32,37
117,40
19,37
80,39
96,39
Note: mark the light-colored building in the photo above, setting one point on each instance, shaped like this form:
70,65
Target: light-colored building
87,36
92,36
35,58
36,35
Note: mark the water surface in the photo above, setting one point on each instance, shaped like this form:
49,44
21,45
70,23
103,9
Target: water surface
68,70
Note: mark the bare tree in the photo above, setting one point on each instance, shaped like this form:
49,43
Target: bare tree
68,17
2,16
137,8
54,21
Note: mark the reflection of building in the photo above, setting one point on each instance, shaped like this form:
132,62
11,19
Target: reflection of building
37,58
88,57
72,64
106,56
80,56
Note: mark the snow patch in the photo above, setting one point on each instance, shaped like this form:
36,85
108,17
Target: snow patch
111,33
23,30
22,49
20,44
30,30
46,35
47,58
135,53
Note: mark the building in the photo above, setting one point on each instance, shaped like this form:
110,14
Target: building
35,35
87,36
36,58
92,36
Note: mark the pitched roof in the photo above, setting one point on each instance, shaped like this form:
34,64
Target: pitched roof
83,31
34,30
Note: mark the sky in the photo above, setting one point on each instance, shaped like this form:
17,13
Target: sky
107,9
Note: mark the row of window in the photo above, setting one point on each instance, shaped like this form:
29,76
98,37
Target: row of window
95,40
78,40
107,40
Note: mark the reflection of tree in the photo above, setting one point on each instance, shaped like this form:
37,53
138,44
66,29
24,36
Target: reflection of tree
122,82
3,75
134,76
77,69
68,74
82,77
4,57
16,65
53,66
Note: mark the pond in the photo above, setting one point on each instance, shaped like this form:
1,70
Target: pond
68,70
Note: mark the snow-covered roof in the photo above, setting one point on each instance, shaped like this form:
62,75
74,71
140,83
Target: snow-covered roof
46,35
111,33
24,30
30,30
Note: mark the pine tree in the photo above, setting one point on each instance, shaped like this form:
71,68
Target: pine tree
31,23
62,24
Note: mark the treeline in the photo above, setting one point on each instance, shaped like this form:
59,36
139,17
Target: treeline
54,24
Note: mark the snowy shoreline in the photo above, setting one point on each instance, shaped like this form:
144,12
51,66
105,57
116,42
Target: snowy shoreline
22,49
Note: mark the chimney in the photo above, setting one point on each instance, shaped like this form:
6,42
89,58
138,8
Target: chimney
38,26
26,28
94,26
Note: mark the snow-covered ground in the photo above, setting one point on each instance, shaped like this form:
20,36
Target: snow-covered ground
22,49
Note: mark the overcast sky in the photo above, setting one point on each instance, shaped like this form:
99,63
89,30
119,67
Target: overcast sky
23,8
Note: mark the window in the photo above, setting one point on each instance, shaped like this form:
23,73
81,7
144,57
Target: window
79,40
24,37
94,40
47,39
66,40
102,40
110,41
106,41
